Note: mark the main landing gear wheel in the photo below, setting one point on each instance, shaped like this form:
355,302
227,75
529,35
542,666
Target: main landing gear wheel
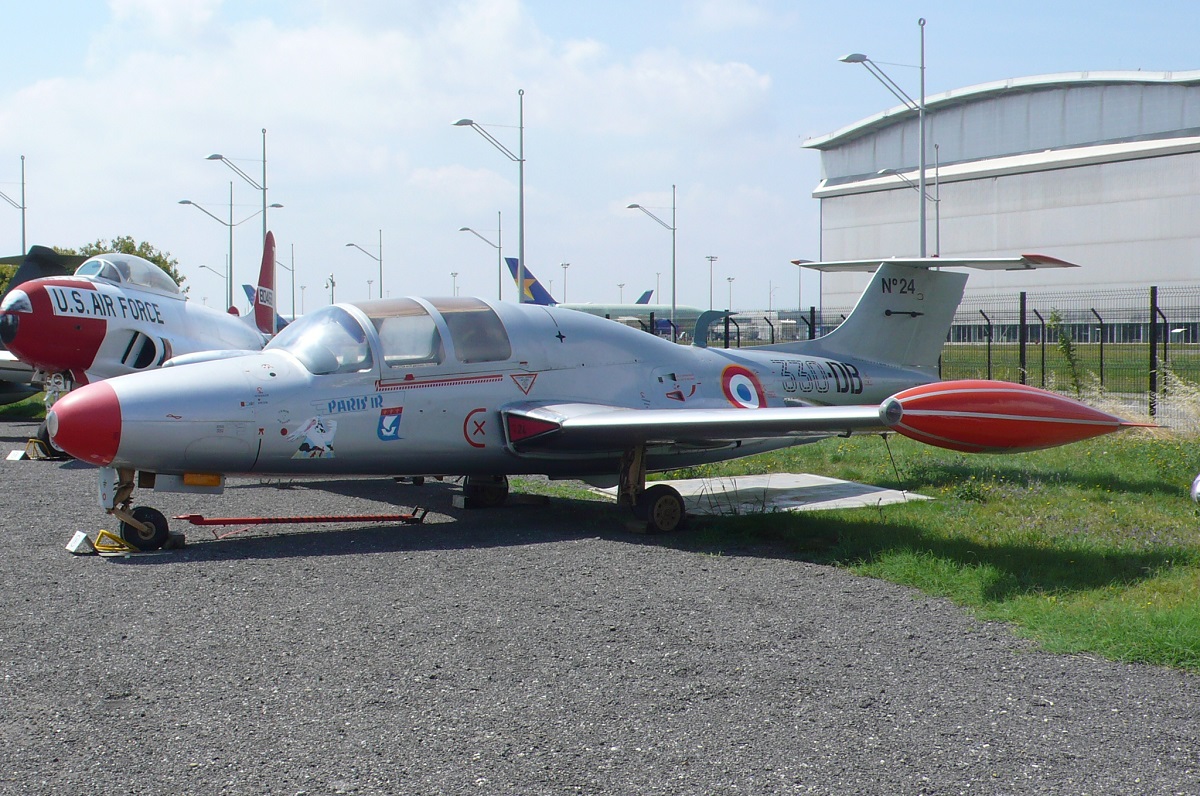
486,491
662,508
145,540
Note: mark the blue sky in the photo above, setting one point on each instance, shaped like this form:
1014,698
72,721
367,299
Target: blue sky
116,105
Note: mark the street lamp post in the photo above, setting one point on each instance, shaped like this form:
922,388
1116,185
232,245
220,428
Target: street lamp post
230,224
621,292
565,266
302,298
936,199
911,104
519,159
215,271
369,283
672,227
730,279
711,259
329,283
291,270
253,183
499,247
454,283
378,259
20,206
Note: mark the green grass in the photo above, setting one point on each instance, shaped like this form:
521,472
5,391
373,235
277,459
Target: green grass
30,408
1093,547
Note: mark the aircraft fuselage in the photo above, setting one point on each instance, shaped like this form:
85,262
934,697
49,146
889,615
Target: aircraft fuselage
267,413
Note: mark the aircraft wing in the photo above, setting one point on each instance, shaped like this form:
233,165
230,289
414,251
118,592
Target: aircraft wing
533,427
1024,262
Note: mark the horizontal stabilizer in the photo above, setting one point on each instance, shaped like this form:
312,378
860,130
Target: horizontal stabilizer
1024,262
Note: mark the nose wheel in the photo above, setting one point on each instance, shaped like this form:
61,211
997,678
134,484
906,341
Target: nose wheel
150,532
143,527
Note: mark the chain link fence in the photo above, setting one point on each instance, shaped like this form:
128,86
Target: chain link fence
1136,350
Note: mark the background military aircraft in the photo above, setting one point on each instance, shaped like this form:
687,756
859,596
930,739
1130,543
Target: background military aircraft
467,387
120,314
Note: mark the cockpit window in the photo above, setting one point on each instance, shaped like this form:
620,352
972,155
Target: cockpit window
329,340
476,331
407,333
128,268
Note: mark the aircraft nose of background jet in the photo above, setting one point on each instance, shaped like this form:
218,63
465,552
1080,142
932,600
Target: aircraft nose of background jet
86,423
8,327
16,302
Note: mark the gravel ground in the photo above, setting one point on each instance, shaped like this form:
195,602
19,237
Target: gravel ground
524,650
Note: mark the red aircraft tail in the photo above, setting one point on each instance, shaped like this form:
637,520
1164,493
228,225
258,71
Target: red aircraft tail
264,296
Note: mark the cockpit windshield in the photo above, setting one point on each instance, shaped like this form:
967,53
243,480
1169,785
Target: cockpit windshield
328,340
129,269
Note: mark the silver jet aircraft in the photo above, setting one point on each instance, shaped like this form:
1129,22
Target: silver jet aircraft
467,387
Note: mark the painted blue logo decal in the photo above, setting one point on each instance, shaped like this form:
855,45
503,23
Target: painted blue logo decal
389,424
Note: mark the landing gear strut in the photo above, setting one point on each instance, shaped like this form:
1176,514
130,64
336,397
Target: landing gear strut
660,506
143,527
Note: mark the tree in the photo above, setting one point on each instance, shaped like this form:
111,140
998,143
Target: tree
126,245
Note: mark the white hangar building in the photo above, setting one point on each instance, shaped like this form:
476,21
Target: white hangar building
1098,168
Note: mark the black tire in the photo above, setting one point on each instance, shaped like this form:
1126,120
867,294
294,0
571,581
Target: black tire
486,491
146,541
51,452
662,508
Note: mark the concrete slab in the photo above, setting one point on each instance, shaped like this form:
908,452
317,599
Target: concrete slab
759,494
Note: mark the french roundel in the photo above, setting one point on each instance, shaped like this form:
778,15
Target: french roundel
742,388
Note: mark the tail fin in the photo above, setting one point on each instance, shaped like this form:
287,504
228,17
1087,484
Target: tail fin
534,292
645,297
264,298
902,319
41,262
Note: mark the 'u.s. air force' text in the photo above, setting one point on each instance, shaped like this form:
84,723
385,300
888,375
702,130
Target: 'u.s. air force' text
93,304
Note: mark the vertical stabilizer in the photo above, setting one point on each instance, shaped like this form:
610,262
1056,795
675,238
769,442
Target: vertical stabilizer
902,319
533,291
264,296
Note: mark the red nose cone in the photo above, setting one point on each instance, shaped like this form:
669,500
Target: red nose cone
86,423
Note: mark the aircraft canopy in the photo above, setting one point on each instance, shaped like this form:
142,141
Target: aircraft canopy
334,340
128,269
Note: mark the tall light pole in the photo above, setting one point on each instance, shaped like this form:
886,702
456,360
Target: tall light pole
369,283
378,259
711,259
253,182
215,271
302,298
936,199
454,283
20,206
671,226
565,266
499,247
291,270
621,292
230,224
519,159
911,104
729,279
329,283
